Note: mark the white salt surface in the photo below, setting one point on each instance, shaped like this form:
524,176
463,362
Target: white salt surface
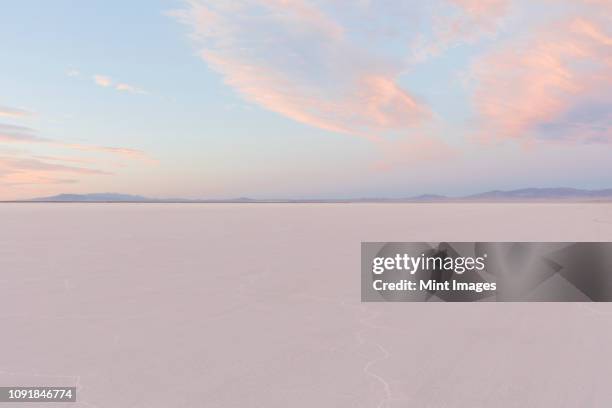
257,305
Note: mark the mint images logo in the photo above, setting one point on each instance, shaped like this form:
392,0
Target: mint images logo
493,271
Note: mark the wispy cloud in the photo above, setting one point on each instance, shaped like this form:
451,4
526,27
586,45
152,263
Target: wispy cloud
19,134
19,167
552,85
459,21
102,80
65,159
129,88
119,151
21,164
294,58
31,171
107,82
22,134
6,111
338,65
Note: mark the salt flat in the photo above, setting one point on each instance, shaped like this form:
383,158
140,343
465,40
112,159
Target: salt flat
257,305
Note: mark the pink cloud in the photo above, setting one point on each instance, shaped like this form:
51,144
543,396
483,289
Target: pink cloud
129,88
119,151
553,85
21,168
64,159
296,60
15,173
22,134
476,17
19,134
108,82
6,111
460,21
29,164
483,9
102,81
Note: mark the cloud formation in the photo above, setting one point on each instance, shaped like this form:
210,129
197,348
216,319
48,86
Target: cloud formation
30,171
19,167
553,84
459,21
19,134
124,152
21,164
8,112
107,82
294,58
338,65
102,81
22,134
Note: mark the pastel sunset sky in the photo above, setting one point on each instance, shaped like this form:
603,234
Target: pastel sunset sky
304,98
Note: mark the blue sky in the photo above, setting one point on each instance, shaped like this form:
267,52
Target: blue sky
297,98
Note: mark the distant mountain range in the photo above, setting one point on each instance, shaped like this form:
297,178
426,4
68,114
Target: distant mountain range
129,198
98,197
526,194
543,193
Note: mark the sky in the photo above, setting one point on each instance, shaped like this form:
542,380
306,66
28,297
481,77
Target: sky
304,98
